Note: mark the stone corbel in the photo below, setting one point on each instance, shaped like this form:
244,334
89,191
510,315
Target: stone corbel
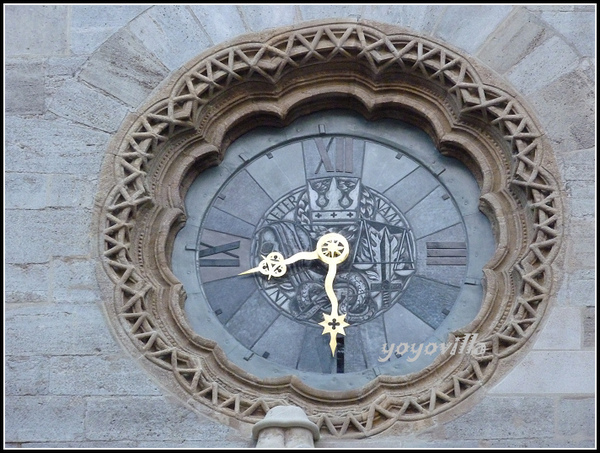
285,427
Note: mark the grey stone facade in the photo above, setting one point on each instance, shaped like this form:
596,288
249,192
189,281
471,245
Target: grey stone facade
73,73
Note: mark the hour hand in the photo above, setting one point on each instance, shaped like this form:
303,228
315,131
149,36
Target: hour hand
274,265
271,265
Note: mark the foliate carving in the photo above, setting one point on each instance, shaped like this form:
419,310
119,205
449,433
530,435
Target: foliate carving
378,71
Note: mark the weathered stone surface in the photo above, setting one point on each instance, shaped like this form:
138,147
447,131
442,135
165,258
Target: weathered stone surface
502,418
582,198
36,30
212,18
565,8
86,422
582,290
26,283
298,438
579,165
59,70
588,68
259,17
469,26
56,330
52,146
45,418
64,66
77,444
26,376
562,331
34,236
229,442
172,33
549,443
580,229
589,327
86,41
24,86
105,420
97,375
576,27
27,190
513,40
420,18
140,444
312,12
576,417
271,438
393,443
542,372
581,250
568,128
86,17
39,191
91,25
77,102
578,169
124,68
74,280
71,191
578,288
543,65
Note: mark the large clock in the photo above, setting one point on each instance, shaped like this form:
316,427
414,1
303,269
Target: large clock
417,245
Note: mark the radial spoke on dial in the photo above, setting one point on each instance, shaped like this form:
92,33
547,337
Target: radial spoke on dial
333,249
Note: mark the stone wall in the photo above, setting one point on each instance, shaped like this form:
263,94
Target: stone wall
72,74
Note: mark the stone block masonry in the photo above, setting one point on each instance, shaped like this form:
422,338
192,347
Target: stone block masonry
75,72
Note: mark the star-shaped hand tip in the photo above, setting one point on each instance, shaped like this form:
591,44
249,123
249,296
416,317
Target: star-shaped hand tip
333,324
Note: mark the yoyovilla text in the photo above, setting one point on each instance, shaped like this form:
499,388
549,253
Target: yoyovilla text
462,345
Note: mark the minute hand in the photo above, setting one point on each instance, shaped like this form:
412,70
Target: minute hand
333,249
334,323
329,287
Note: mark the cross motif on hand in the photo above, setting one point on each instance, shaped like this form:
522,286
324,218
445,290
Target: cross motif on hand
333,323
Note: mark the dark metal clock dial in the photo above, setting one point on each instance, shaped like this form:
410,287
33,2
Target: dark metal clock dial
333,199
417,247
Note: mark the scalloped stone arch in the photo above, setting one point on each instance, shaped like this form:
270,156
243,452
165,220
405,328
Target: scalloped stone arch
271,79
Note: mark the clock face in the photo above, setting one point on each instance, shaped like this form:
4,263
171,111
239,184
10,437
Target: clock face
417,244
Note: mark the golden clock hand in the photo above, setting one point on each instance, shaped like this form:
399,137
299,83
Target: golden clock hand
271,265
333,248
333,323
301,256
329,287
274,265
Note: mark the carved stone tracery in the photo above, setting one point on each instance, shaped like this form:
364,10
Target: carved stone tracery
379,71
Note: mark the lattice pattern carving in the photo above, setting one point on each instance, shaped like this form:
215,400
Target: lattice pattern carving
192,104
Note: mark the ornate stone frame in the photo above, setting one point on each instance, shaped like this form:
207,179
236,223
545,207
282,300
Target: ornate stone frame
271,79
